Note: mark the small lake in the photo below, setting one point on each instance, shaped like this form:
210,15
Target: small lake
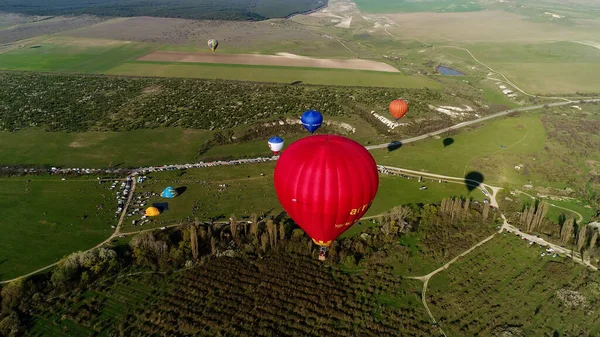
449,71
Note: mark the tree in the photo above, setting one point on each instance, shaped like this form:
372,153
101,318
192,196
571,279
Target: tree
213,245
566,230
194,239
281,231
582,237
486,210
11,295
272,231
233,226
11,325
593,238
254,225
264,242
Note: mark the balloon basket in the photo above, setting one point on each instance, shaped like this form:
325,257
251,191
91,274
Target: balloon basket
323,254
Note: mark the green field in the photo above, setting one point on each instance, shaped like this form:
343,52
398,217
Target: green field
229,295
136,148
506,283
520,135
42,220
248,192
402,6
555,151
72,55
540,68
120,297
273,74
575,205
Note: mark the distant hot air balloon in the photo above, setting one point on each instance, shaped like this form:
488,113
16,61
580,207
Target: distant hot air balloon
275,144
326,183
398,108
311,120
213,44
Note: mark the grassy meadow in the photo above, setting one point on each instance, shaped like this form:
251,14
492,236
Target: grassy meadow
233,294
248,192
507,284
136,148
540,68
404,6
72,55
273,74
43,220
541,143
577,206
496,141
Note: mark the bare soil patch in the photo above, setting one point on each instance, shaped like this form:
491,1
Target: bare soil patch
271,60
153,89
76,145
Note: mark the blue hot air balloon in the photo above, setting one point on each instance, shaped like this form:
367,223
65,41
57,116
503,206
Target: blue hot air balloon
311,120
169,193
276,144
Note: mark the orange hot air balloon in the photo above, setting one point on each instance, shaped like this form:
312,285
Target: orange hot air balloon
398,108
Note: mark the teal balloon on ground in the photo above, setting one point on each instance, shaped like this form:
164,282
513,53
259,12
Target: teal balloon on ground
169,193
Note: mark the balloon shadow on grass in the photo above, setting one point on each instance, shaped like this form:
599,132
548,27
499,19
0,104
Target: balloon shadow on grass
473,180
162,206
395,145
448,141
296,82
181,190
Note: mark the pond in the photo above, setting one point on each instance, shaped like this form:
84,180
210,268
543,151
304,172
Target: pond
449,71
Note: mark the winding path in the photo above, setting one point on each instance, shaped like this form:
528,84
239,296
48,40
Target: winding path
580,217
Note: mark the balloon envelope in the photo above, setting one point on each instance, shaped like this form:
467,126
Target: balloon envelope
152,211
326,183
398,108
169,192
213,44
275,144
311,120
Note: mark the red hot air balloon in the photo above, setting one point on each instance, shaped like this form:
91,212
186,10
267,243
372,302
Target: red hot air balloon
398,108
326,183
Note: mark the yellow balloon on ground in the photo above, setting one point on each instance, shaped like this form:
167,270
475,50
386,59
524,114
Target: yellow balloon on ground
152,211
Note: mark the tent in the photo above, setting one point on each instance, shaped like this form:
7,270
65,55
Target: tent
152,211
169,192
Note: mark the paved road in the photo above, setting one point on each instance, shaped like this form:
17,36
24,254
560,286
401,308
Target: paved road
479,120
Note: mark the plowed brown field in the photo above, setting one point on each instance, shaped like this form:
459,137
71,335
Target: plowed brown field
287,60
